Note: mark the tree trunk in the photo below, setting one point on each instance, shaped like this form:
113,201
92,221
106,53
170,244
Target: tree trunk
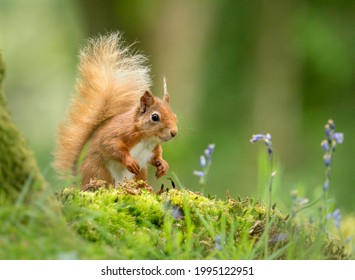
18,166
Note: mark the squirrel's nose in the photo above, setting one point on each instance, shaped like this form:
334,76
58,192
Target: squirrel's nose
173,133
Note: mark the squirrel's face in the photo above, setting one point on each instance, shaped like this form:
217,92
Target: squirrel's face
156,118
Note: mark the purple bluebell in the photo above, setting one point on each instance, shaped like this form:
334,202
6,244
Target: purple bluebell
199,173
336,213
203,161
338,137
326,185
328,132
209,151
325,145
266,138
257,137
331,134
336,217
327,159
176,212
211,148
329,146
205,164
218,243
279,237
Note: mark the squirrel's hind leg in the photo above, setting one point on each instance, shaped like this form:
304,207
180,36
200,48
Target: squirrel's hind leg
93,169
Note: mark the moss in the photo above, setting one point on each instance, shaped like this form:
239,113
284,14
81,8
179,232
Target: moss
177,224
18,164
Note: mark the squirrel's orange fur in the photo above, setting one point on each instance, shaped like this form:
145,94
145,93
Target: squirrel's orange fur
114,108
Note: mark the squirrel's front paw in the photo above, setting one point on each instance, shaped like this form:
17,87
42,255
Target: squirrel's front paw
132,166
162,168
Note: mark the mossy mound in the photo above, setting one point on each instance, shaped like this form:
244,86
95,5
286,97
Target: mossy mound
181,224
175,224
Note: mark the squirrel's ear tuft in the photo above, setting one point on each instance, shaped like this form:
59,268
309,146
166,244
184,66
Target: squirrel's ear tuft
147,100
166,97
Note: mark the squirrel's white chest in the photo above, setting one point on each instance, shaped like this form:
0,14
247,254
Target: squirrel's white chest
142,153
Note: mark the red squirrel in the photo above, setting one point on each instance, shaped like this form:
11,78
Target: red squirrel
115,111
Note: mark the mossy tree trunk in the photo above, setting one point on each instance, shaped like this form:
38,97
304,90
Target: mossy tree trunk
18,166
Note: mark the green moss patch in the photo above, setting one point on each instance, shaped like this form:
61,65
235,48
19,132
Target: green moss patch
181,224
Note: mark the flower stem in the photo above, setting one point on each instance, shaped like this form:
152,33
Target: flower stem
203,179
268,212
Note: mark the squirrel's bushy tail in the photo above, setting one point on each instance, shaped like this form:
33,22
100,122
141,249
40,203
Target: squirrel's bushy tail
111,81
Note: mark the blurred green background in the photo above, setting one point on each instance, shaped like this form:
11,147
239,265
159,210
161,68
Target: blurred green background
234,68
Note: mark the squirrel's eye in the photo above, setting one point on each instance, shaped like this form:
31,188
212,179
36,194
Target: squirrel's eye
155,117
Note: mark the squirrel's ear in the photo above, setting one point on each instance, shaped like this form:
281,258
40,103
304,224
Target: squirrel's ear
166,97
147,100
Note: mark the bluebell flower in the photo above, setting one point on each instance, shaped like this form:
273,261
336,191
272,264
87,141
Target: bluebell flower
266,138
205,164
338,137
211,148
257,137
331,135
326,185
327,159
176,212
329,146
209,151
207,154
199,173
279,237
218,243
203,161
336,217
325,145
336,213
